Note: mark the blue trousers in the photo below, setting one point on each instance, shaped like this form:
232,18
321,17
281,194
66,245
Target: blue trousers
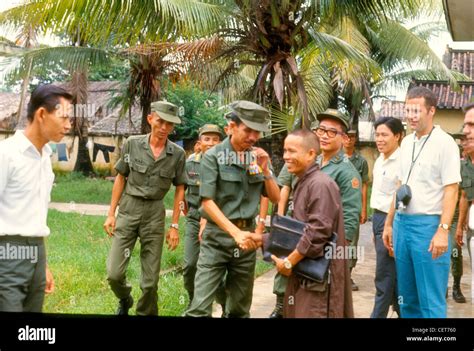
422,280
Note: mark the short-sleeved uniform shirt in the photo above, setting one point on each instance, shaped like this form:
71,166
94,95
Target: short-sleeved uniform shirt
348,179
193,171
146,177
361,165
234,185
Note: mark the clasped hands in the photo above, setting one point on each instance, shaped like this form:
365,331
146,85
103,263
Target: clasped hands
248,241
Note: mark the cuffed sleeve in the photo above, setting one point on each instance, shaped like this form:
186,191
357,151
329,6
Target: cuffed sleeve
122,165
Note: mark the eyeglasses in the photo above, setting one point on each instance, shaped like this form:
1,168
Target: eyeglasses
330,132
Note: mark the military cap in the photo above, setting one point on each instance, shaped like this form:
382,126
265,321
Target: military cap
210,128
251,114
334,114
166,111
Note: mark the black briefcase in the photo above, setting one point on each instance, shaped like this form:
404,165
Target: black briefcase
284,235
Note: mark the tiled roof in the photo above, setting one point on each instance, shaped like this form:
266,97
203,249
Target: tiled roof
458,60
447,98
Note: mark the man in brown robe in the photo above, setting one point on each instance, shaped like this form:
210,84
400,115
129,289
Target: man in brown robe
317,202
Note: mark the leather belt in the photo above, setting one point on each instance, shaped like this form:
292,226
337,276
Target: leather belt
243,222
378,211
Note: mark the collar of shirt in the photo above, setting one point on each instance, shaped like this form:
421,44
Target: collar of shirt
337,158
353,156
195,157
24,144
394,154
146,145
232,155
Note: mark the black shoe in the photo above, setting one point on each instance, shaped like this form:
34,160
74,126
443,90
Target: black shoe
124,306
278,310
457,294
223,315
355,287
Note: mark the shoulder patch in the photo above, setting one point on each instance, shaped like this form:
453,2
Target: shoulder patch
355,183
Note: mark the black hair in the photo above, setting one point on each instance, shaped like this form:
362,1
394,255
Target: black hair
46,96
392,123
234,118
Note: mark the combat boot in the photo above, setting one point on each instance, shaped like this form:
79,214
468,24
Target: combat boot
457,294
124,306
278,311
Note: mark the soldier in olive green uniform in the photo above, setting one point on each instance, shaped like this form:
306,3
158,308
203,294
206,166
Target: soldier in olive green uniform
456,232
233,177
148,166
209,135
361,165
467,195
456,255
332,132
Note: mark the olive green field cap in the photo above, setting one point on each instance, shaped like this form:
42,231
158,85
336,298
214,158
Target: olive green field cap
334,114
166,111
251,114
210,128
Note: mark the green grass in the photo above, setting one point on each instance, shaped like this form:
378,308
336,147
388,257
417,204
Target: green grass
74,187
77,252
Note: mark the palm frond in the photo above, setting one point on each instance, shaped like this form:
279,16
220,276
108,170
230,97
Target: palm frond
398,44
120,20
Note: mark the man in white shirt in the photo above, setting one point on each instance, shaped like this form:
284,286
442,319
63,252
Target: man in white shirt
429,165
26,179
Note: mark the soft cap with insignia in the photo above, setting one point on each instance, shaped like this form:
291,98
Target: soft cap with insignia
334,114
210,128
166,111
252,115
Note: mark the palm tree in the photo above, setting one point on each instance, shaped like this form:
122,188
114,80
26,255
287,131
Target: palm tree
307,55
107,24
295,57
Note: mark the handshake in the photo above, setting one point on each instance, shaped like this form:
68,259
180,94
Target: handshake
247,240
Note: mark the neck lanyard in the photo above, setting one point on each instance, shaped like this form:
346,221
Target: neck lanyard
419,152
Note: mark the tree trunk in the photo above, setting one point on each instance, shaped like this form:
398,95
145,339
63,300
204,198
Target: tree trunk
78,88
24,89
277,141
145,127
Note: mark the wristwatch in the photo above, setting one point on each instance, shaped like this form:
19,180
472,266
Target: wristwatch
287,264
175,226
444,226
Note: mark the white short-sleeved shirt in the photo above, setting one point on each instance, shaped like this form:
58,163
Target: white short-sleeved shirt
385,181
437,166
26,180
